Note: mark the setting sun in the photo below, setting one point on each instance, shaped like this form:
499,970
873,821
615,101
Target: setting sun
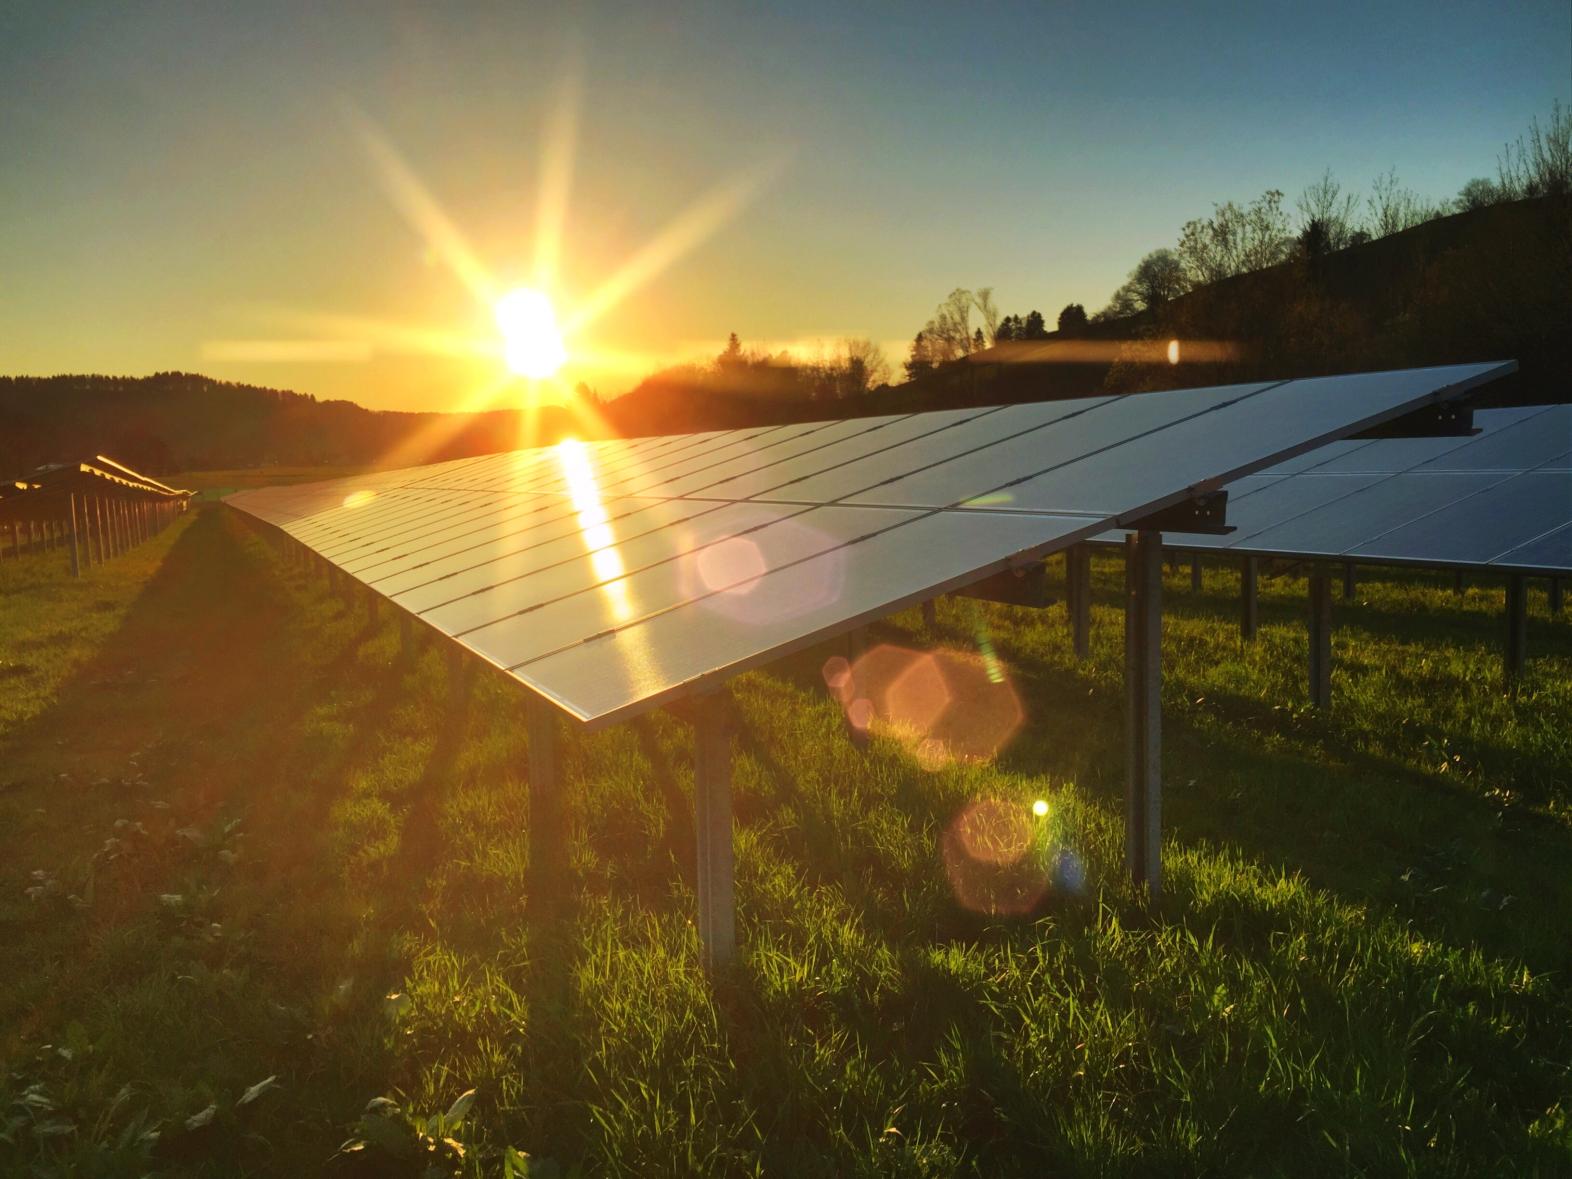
532,342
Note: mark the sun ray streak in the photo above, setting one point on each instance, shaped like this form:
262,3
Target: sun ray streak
421,209
691,227
559,141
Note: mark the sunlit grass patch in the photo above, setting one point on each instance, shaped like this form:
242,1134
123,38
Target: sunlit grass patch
323,876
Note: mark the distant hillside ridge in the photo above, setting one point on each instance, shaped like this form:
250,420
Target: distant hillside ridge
173,421
1487,284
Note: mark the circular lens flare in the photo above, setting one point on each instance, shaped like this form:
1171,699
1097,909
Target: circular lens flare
531,341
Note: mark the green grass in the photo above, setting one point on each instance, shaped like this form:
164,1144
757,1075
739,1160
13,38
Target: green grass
296,855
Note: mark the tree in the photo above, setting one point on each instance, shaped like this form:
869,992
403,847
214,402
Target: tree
1009,329
1072,319
989,313
1394,208
1235,240
978,341
1157,278
1121,305
732,356
920,361
1541,165
1337,211
1034,328
866,366
1478,193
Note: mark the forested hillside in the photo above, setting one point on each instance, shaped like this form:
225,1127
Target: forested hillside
182,421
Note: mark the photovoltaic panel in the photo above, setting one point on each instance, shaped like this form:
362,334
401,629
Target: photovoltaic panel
613,576
1499,499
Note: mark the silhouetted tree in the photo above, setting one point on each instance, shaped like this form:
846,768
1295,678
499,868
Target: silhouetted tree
920,361
1478,193
1072,319
1235,240
1337,211
1034,328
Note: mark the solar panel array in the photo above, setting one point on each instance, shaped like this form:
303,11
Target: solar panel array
1500,500
613,576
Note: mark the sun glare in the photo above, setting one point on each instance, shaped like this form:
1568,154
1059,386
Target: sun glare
531,341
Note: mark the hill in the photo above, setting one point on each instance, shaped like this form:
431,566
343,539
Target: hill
1489,283
178,421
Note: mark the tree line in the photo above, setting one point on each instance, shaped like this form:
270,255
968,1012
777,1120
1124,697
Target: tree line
1258,235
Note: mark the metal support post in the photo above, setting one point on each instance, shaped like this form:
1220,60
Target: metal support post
1143,791
1320,637
930,615
547,837
712,813
1348,581
1517,629
76,560
1249,604
1554,594
1078,597
1195,573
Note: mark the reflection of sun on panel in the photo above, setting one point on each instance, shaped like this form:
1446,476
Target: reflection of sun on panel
359,499
531,341
595,526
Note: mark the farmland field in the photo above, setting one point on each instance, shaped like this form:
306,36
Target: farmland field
257,868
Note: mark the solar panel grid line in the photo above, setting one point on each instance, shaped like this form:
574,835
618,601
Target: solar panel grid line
1437,502
315,493
1285,417
691,498
877,425
1549,551
930,425
1464,491
426,474
1378,479
1446,506
564,497
804,505
633,456
791,635
1078,411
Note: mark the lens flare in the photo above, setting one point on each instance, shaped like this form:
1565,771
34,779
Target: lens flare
990,859
531,341
944,706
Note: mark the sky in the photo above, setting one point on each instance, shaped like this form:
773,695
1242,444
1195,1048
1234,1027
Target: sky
329,197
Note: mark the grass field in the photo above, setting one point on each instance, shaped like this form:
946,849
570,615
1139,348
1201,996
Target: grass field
242,841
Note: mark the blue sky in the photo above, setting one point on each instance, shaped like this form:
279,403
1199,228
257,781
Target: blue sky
179,175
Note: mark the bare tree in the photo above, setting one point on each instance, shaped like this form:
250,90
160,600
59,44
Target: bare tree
1394,208
1542,164
989,312
866,366
1236,240
1336,210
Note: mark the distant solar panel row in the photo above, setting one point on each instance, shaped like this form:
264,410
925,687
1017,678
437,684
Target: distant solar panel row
613,576
1500,500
